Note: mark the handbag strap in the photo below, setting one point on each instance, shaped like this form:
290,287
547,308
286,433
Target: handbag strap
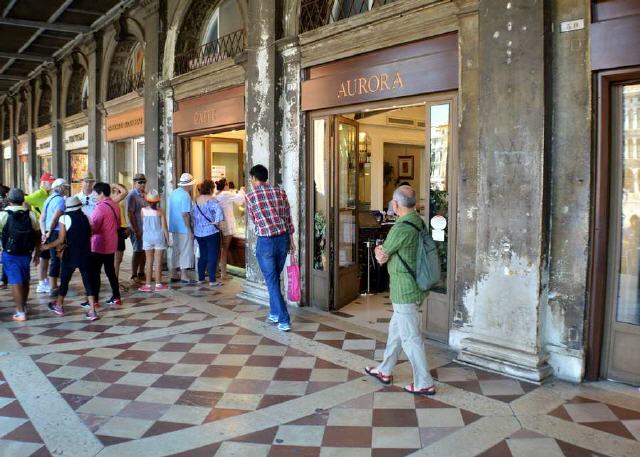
204,215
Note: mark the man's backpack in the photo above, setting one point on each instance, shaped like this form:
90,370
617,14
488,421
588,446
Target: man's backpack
427,272
18,235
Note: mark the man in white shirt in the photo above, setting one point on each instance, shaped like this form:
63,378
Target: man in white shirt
87,196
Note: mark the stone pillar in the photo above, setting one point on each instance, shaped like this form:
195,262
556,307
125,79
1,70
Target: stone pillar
57,145
291,157
467,224
167,160
31,139
570,190
97,157
13,106
260,120
152,69
506,334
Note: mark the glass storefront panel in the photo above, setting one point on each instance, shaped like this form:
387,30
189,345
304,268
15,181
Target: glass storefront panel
320,217
44,164
78,166
628,300
128,160
347,163
438,177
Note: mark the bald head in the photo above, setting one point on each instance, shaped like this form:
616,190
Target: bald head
405,196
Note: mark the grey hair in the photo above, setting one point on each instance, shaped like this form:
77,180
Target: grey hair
405,196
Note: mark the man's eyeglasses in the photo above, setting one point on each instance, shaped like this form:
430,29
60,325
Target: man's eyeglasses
141,182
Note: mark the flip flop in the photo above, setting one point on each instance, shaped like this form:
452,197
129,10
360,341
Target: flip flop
427,391
383,378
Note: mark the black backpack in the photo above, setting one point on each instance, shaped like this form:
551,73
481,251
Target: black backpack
18,235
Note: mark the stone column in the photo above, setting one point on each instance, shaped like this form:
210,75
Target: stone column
152,69
260,120
97,157
506,334
13,106
291,159
57,145
31,139
467,224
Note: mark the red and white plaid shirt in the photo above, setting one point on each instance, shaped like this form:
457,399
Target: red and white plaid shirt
269,210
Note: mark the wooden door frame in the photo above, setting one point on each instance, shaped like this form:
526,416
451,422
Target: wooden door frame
600,236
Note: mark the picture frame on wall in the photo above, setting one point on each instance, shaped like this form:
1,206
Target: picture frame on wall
405,167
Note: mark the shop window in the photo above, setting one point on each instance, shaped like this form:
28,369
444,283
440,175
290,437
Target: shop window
85,94
78,83
127,69
44,109
318,13
209,35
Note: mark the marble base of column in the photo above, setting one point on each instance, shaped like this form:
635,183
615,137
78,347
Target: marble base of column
255,292
527,366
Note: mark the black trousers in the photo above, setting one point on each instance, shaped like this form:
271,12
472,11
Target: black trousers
66,272
97,262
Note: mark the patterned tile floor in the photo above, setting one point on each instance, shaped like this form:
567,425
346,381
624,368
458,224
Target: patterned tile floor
195,372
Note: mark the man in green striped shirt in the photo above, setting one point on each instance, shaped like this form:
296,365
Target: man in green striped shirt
406,296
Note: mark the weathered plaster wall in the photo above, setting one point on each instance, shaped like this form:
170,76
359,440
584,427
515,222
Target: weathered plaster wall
570,190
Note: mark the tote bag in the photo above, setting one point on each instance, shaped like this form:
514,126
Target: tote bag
293,279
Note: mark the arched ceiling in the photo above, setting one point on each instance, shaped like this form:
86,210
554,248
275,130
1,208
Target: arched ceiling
34,32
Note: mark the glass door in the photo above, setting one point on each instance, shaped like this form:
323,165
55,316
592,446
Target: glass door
346,268
439,214
622,361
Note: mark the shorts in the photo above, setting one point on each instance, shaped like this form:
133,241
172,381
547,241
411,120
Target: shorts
227,228
121,237
45,254
182,251
154,244
136,243
16,267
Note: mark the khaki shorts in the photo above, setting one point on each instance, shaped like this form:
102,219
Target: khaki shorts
182,251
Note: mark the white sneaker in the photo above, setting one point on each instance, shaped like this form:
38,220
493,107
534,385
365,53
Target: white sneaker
43,289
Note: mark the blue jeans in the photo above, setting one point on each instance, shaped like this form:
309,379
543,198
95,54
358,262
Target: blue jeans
209,248
271,253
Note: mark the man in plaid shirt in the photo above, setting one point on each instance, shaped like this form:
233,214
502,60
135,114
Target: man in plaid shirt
269,210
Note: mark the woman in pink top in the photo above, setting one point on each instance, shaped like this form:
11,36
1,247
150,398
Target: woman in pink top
105,221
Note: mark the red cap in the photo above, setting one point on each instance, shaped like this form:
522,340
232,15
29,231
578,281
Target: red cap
47,177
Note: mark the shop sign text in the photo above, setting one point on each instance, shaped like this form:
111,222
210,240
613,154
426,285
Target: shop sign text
371,85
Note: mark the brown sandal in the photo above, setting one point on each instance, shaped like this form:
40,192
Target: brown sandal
427,391
383,378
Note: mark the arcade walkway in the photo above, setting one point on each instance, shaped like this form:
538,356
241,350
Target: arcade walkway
192,372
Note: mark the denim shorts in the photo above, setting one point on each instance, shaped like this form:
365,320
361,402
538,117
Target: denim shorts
136,243
16,267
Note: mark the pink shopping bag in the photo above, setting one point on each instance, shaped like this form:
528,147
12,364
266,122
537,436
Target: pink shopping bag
293,279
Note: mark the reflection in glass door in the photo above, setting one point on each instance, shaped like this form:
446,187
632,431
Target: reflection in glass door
623,360
346,164
439,197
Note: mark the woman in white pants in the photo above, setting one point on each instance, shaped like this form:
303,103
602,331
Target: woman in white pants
227,199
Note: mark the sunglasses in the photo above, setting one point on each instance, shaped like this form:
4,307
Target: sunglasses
141,182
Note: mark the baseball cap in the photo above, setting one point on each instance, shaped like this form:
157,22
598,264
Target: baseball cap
47,177
139,177
16,196
59,183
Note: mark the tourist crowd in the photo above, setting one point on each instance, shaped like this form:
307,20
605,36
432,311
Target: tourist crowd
62,233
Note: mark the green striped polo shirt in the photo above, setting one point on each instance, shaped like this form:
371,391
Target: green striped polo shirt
402,239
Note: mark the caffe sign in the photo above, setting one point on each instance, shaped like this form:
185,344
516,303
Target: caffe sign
217,109
77,138
43,146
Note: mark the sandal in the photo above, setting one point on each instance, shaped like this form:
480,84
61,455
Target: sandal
380,376
427,391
